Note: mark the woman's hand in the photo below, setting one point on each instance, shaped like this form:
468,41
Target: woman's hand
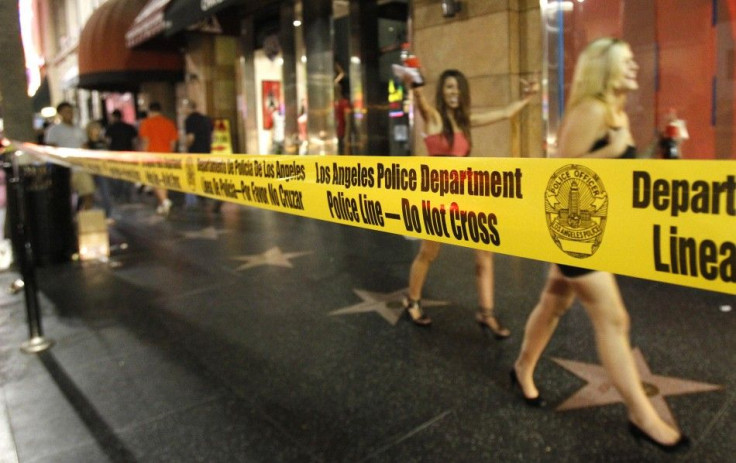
618,140
529,88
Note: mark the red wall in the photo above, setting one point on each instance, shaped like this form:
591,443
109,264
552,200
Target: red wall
680,52
686,39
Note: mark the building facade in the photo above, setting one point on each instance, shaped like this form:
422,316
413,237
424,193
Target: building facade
268,68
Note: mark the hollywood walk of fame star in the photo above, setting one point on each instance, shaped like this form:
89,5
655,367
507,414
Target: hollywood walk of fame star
600,391
208,233
387,305
273,256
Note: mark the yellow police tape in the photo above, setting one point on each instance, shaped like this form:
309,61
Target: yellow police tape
669,221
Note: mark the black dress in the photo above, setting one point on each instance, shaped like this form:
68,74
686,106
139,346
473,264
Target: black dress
630,153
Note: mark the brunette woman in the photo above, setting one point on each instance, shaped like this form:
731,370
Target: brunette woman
447,133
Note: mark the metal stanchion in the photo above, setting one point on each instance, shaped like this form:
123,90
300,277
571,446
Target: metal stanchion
37,342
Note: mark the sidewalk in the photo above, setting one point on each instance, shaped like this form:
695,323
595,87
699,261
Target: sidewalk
260,337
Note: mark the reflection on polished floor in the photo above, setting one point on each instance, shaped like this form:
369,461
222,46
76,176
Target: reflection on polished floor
255,336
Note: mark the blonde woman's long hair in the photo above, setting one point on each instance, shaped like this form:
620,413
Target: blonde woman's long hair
92,125
596,71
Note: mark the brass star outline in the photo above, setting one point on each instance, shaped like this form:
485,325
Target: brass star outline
207,233
599,390
387,305
273,256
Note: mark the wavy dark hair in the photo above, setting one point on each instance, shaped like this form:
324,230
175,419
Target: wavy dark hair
461,113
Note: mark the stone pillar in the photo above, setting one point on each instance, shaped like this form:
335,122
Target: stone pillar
367,94
289,55
210,78
317,25
248,106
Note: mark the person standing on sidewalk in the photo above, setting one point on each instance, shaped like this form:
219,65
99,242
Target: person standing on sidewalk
95,141
596,125
67,135
447,127
158,134
198,129
120,136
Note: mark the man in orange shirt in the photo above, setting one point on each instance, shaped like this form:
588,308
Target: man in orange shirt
158,134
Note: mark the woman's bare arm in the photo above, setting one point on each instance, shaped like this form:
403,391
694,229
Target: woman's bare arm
586,123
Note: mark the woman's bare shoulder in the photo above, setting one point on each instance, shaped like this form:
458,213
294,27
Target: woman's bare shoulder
590,109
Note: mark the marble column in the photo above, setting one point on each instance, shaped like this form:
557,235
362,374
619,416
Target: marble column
317,26
247,74
371,122
289,84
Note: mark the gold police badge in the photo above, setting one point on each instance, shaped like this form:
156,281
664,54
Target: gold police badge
576,206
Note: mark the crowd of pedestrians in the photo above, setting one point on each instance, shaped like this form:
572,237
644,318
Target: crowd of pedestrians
151,132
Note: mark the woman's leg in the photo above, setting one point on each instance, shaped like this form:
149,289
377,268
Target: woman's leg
164,203
428,252
484,279
599,294
557,296
484,284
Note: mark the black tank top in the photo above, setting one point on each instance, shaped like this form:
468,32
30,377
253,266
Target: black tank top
630,153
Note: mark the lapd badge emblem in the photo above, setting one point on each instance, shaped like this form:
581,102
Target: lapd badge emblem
576,205
190,168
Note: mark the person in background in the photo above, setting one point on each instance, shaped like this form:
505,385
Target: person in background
447,128
302,126
343,112
120,136
96,142
158,134
278,132
198,131
67,135
596,125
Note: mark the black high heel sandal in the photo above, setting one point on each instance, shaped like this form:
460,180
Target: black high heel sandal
680,445
536,402
410,308
488,321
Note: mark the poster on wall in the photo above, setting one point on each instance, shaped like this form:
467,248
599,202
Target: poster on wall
221,142
271,95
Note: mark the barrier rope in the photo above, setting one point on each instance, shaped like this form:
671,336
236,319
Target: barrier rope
662,220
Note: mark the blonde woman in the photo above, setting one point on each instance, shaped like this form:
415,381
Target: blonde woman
596,125
95,141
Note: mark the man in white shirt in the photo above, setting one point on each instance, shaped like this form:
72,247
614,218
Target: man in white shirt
66,135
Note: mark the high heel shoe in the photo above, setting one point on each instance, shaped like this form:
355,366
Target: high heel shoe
413,311
486,320
680,445
537,402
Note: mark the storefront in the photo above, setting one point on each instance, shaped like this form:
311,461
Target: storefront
269,69
114,73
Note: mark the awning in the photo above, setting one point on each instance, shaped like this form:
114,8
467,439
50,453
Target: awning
149,23
106,63
182,14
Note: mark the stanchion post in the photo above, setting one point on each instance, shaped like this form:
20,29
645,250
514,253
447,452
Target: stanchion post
36,342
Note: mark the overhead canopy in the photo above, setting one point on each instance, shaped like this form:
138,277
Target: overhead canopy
106,63
182,14
149,23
